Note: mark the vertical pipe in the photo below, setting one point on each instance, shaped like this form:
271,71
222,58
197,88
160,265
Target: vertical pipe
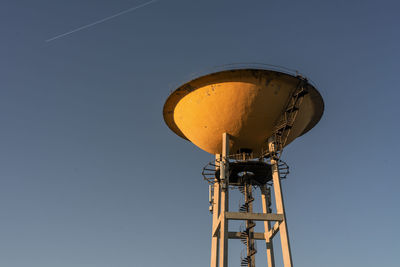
210,194
223,242
215,203
280,208
267,226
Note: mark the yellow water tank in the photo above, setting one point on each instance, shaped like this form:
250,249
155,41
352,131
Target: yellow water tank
245,103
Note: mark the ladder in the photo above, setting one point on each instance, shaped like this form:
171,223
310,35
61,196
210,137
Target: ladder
286,121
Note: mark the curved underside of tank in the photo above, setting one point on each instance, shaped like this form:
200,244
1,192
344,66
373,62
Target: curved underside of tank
245,103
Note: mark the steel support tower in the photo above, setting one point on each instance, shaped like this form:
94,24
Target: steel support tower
219,199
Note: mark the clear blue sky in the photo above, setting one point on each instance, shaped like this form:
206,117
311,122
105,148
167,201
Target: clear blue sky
90,176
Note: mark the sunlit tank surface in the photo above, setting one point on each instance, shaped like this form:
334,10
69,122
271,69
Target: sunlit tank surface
245,103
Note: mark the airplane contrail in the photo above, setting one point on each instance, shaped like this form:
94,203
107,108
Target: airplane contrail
100,21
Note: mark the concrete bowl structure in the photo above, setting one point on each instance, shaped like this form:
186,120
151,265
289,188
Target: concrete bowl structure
245,103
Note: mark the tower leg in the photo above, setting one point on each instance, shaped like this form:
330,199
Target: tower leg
280,208
265,197
216,205
223,234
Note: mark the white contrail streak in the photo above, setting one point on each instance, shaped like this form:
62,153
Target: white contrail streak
100,21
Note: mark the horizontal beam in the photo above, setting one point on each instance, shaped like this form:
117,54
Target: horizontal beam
236,235
253,216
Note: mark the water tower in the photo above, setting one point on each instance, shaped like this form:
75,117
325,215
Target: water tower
245,117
